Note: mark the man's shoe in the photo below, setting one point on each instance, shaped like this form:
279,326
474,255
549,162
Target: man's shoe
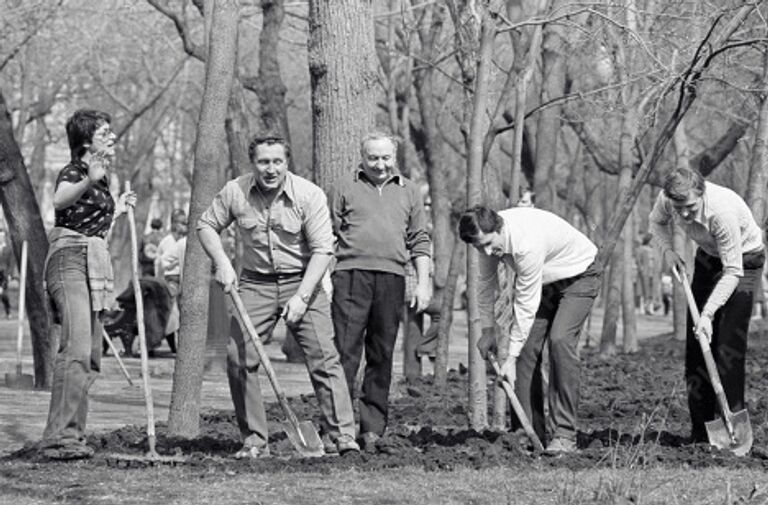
252,452
561,446
345,444
368,441
329,445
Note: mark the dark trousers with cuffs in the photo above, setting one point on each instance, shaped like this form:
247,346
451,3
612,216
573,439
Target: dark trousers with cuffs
730,328
564,307
366,314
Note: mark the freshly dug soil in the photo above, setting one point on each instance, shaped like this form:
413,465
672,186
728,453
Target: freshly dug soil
633,413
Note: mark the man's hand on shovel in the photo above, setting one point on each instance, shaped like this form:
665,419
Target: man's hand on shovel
702,325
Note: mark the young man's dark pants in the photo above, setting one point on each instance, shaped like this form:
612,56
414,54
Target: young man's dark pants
366,313
564,307
730,328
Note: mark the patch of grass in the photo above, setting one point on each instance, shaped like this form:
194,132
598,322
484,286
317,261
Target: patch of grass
27,484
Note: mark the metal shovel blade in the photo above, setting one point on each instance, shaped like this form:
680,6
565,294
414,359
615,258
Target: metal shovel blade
304,438
742,433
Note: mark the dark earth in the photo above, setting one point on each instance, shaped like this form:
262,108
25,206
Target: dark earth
633,413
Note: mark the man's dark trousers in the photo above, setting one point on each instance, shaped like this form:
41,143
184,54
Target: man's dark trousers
730,328
564,307
366,314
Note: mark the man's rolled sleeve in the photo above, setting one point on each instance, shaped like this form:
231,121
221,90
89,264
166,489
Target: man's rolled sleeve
660,222
487,286
528,283
317,224
219,214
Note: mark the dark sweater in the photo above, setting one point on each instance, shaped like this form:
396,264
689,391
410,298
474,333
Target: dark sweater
378,228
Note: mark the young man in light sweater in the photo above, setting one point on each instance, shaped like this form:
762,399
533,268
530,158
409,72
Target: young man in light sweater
550,264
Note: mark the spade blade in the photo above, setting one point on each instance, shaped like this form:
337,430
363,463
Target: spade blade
742,439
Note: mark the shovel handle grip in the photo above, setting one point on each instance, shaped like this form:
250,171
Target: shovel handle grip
706,351
266,363
516,406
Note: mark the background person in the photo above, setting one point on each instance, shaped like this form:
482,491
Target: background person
79,277
287,245
379,222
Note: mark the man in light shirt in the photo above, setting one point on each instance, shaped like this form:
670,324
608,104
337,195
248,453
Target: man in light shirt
551,266
726,273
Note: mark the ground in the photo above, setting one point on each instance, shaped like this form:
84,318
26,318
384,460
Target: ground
633,422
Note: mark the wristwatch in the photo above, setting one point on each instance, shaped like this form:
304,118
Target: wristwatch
305,297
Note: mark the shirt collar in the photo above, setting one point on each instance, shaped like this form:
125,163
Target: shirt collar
395,177
286,189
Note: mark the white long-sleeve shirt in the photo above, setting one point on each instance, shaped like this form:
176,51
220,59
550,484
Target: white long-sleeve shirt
539,248
723,227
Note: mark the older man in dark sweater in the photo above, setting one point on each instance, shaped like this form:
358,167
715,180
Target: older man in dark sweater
379,221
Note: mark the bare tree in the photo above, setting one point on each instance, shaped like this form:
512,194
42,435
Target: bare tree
210,152
342,69
25,224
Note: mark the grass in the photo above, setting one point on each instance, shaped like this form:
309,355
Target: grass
87,484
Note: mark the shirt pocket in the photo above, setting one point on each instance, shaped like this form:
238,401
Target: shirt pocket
254,228
289,232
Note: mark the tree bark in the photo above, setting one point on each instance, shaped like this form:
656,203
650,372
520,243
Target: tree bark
210,157
759,163
446,313
22,215
548,129
342,70
476,121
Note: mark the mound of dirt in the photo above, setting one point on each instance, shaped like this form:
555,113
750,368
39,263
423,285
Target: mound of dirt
633,413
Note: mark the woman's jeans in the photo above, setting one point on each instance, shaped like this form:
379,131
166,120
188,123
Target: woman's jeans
78,360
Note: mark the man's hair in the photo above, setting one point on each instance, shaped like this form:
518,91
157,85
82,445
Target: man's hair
156,224
377,135
476,220
80,129
268,140
680,181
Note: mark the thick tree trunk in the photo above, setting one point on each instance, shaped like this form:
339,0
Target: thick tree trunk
22,215
210,157
342,70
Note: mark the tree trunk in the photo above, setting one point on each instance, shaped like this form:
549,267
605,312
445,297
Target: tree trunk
22,215
679,242
548,128
210,157
759,162
342,70
478,400
446,313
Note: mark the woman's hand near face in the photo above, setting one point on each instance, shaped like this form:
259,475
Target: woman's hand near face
97,166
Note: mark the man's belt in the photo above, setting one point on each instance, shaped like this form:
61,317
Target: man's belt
254,276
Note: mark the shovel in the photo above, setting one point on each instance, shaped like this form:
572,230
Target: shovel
734,431
516,404
20,380
302,434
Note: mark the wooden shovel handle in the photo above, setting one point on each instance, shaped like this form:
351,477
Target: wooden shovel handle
516,406
266,363
140,323
22,302
706,350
